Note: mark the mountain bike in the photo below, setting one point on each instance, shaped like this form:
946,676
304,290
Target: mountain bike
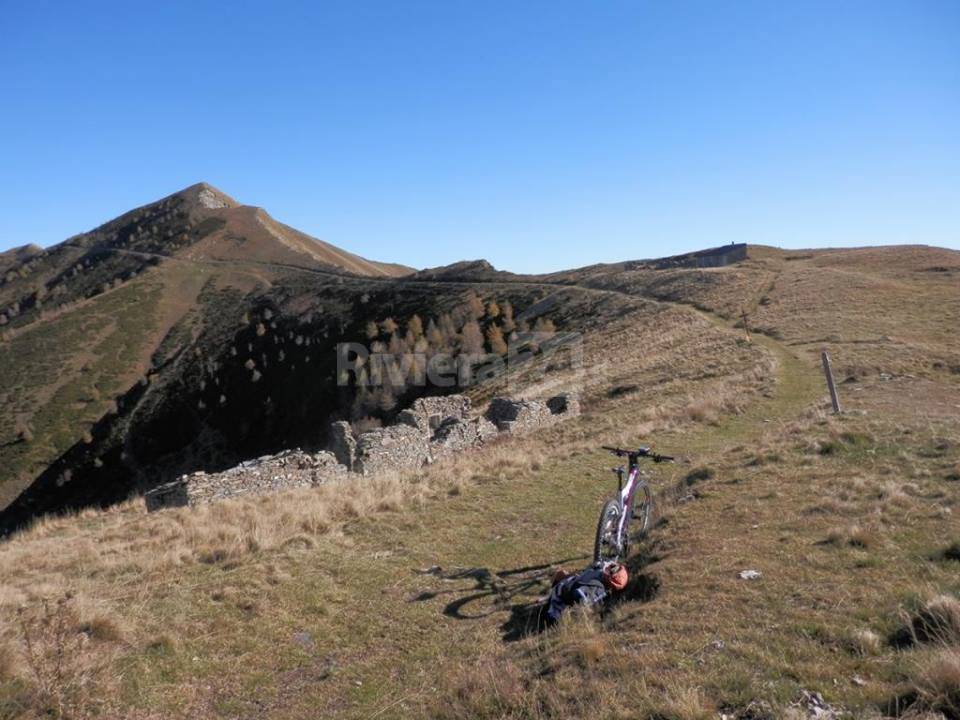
613,536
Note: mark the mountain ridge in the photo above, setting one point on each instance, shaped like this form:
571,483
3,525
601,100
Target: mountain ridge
195,332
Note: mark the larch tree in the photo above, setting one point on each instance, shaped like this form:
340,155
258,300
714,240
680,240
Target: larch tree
434,335
472,338
506,311
544,325
415,326
448,330
495,340
474,305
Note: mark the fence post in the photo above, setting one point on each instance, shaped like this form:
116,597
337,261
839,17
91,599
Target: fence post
830,384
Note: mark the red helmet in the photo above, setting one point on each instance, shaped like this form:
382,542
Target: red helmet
615,576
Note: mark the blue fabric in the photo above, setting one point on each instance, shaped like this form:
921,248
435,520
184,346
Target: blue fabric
585,588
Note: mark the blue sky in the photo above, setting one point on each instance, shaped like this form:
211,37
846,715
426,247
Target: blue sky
538,135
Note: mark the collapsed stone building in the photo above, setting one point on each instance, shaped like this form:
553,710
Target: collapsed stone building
429,429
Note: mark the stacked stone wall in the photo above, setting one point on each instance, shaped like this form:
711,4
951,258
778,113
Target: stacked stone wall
271,473
429,429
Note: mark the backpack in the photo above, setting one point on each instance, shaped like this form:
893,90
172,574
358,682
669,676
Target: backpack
585,588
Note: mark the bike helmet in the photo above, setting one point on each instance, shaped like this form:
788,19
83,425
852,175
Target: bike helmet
614,576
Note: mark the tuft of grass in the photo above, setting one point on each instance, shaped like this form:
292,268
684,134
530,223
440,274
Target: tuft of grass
853,536
161,645
684,703
702,411
935,680
937,621
828,447
699,474
951,552
103,629
766,458
862,537
592,650
864,642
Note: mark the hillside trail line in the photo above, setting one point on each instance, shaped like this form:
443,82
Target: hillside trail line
458,581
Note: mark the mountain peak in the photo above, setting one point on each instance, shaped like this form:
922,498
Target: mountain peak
207,195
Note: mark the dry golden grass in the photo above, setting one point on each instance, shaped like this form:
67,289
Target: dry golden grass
65,666
109,562
760,515
117,562
437,570
854,536
937,621
8,661
865,642
936,681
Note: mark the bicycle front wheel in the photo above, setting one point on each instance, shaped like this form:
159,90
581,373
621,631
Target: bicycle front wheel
607,545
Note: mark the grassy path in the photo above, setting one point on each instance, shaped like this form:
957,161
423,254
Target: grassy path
365,632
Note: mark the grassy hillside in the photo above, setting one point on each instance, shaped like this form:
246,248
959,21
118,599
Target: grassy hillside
88,327
412,596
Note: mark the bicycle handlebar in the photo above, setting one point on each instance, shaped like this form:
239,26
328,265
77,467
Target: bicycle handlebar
638,453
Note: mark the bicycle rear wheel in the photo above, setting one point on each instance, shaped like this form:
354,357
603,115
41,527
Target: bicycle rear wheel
607,545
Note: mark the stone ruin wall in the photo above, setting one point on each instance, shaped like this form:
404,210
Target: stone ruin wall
429,429
285,471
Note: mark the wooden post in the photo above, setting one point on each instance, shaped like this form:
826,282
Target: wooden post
830,384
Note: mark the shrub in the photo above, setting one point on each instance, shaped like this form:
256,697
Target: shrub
66,679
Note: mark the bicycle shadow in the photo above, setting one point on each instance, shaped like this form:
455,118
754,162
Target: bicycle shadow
517,591
491,592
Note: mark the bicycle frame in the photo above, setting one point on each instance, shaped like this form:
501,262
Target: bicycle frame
627,493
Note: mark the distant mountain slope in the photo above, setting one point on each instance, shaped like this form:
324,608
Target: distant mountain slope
197,223
195,332
251,235
82,322
16,256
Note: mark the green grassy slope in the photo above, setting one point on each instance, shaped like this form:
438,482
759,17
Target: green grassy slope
411,597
